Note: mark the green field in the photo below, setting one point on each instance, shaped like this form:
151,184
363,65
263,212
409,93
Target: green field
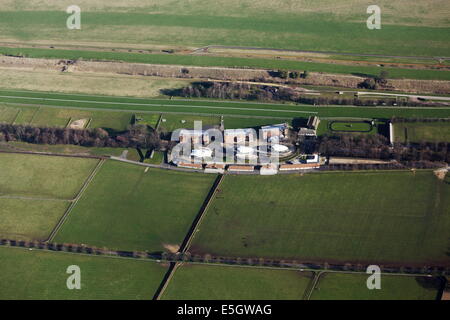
25,219
69,149
35,192
341,286
322,25
417,132
127,208
59,117
150,119
171,122
207,282
158,158
397,217
236,123
43,176
42,275
210,107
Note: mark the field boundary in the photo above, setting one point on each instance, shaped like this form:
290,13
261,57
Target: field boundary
189,236
75,201
220,261
50,154
198,219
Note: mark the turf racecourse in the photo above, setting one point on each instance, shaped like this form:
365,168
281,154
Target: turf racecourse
128,207
41,275
386,217
209,107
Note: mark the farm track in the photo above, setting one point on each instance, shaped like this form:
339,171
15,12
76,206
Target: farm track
74,202
203,49
34,198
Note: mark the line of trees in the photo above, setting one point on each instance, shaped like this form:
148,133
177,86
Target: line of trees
245,91
206,258
387,166
136,136
377,147
403,120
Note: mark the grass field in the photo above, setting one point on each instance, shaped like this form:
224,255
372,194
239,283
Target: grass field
150,119
25,219
206,282
127,208
88,83
211,107
351,126
236,123
341,286
366,216
58,117
43,176
322,25
417,132
42,275
171,122
158,158
61,149
35,192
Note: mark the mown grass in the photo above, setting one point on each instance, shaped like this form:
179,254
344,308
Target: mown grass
235,122
313,30
417,132
349,126
43,176
208,282
127,208
60,117
42,275
398,217
158,158
68,149
215,61
34,191
147,119
25,219
126,104
342,286
171,122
